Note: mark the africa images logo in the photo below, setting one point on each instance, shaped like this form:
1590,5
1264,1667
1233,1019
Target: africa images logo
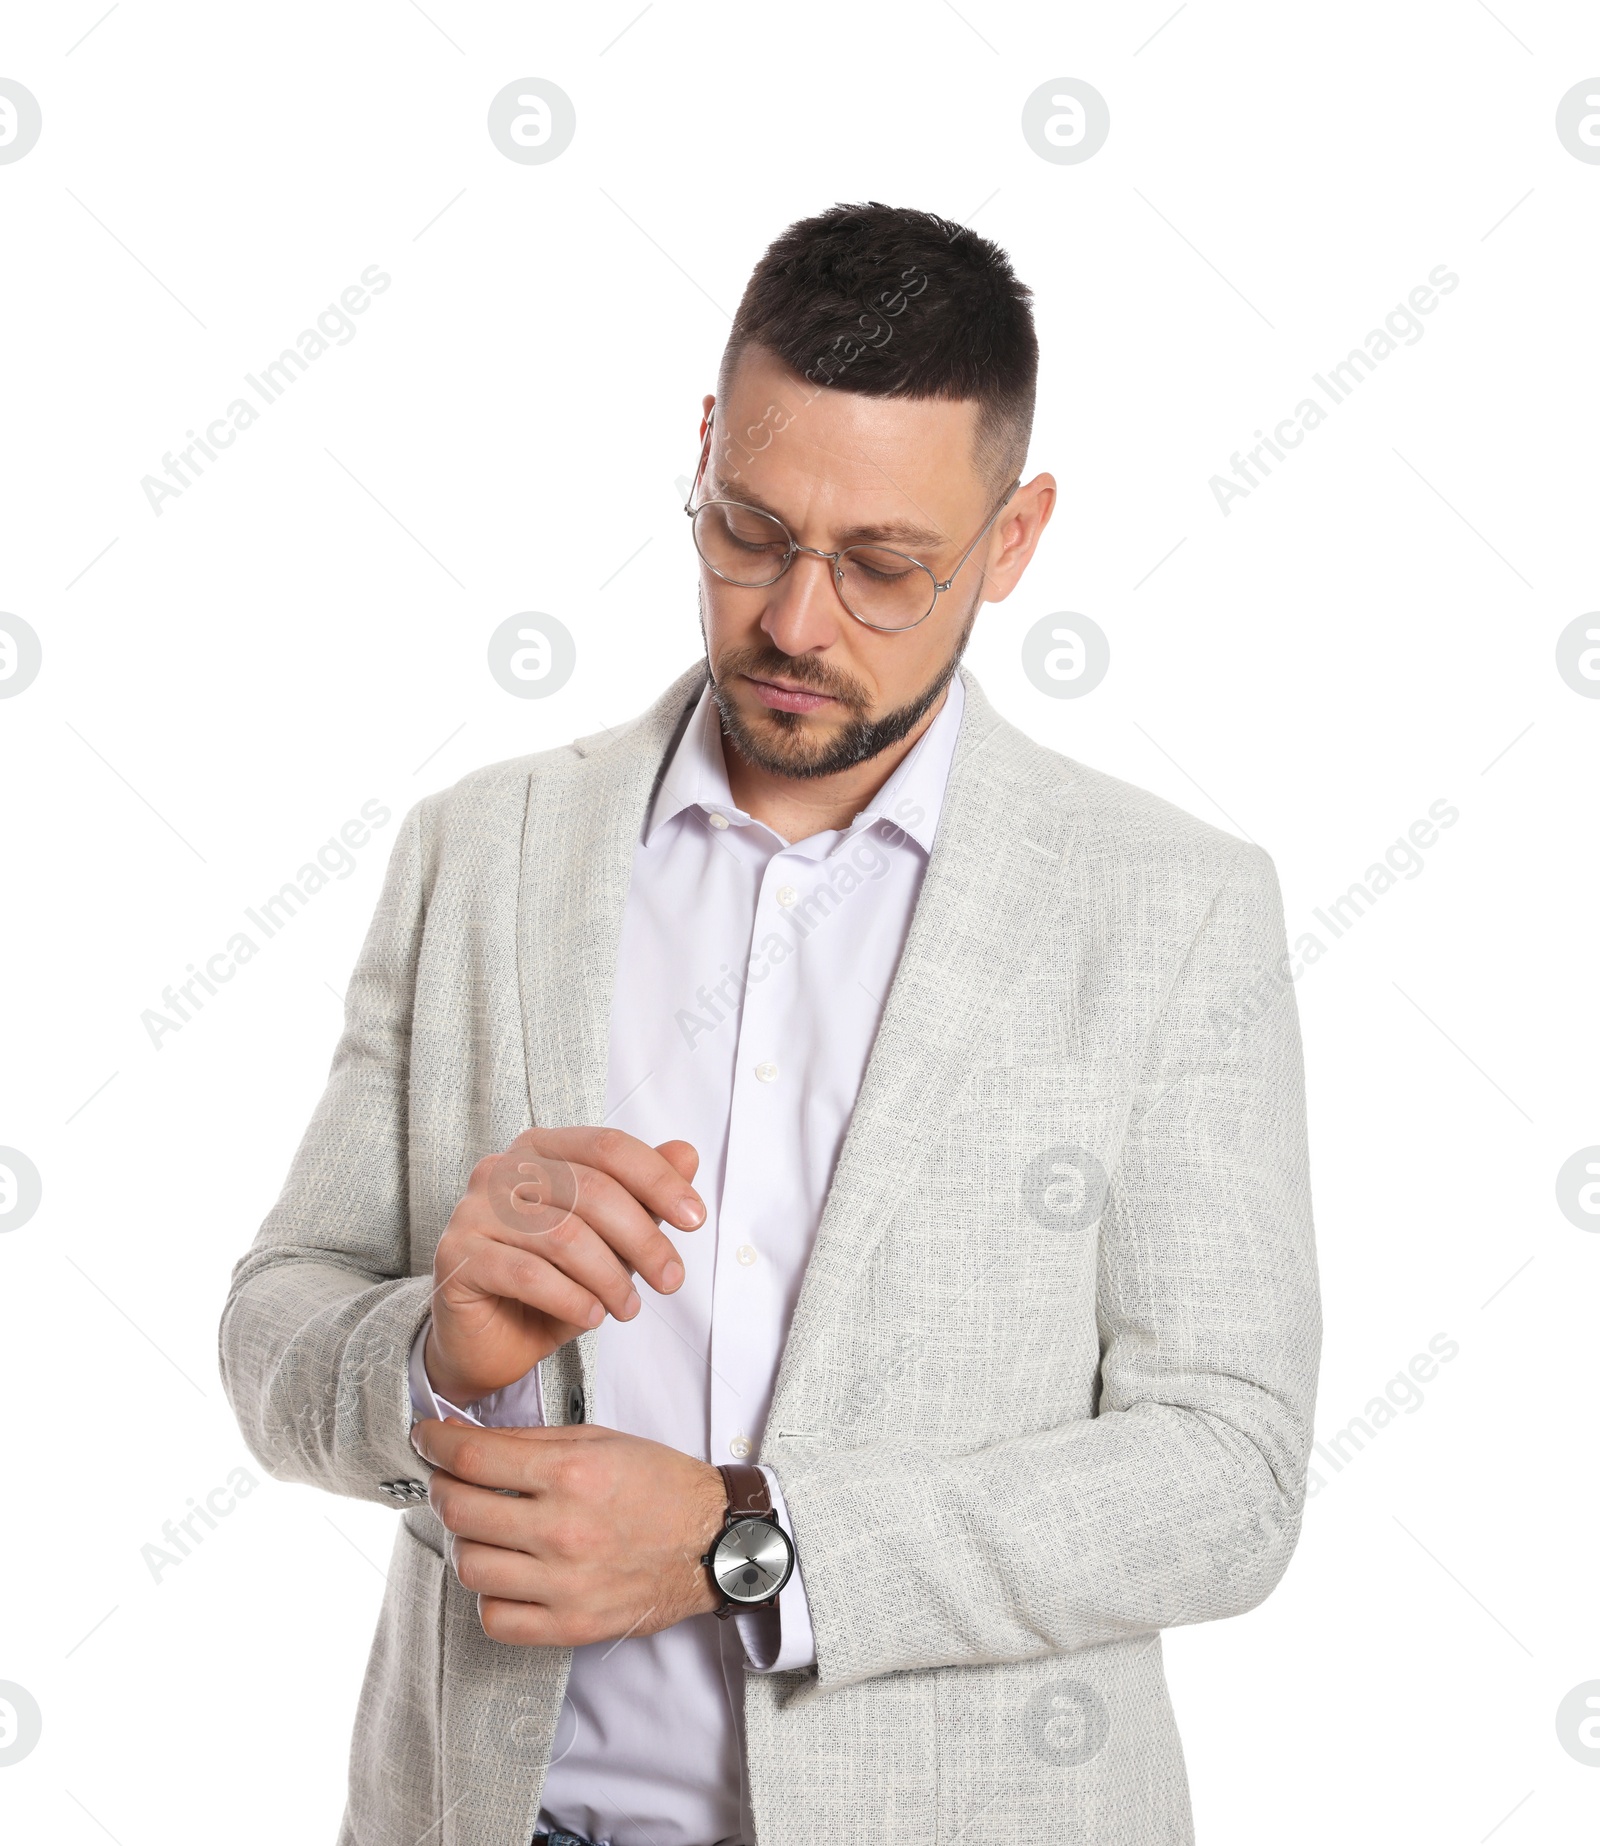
20,120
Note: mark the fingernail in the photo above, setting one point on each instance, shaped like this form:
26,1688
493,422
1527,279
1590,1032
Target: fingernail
690,1213
632,1303
596,1314
671,1276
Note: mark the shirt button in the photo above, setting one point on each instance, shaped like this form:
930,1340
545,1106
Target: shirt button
739,1447
767,1073
719,821
787,895
746,1253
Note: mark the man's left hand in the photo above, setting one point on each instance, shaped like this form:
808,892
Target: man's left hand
604,1540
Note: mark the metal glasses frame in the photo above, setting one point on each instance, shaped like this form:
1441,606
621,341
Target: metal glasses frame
833,557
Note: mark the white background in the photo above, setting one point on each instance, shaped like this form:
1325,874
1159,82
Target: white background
1370,631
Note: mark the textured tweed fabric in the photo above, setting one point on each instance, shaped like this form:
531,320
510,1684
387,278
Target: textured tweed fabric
1049,1385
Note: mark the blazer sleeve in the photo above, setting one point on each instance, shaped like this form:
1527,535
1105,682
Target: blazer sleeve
321,1313
1180,1500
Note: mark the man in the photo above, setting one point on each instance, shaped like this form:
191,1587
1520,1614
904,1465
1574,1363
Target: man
812,1158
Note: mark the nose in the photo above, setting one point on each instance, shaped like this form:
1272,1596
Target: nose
803,610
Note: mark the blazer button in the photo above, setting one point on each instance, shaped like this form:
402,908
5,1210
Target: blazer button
575,1404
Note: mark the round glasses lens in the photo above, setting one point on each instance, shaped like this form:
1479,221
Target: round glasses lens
740,544
885,588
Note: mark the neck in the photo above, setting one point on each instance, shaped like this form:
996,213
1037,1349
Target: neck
795,807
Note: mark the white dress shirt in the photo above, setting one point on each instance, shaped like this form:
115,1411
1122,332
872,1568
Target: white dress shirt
751,977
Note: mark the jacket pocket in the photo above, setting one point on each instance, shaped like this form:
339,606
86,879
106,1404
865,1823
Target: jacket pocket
1077,1748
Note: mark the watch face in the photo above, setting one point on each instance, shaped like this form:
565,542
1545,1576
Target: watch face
752,1560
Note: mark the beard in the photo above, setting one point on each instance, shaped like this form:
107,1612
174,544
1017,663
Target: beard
785,745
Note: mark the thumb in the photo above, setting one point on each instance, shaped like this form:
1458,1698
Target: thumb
681,1156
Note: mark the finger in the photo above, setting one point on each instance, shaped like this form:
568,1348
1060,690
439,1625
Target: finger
535,1193
471,1456
478,1513
627,1228
648,1175
521,1624
481,1516
559,1623
595,1200
569,1272
682,1156
496,1571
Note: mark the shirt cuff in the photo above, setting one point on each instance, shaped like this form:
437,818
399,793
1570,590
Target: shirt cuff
775,1640
779,1640
520,1405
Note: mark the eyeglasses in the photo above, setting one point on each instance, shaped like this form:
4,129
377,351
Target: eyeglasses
882,588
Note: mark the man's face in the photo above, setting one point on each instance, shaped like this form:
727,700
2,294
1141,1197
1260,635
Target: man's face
806,689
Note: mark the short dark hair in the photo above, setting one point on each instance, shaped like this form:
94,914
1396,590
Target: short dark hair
890,302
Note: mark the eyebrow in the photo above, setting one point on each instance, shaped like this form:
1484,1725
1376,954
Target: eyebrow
885,532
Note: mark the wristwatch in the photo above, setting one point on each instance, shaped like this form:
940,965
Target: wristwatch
751,1558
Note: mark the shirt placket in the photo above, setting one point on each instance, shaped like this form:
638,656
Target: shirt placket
748,1290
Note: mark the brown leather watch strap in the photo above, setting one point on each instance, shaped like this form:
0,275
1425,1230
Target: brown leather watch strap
747,1490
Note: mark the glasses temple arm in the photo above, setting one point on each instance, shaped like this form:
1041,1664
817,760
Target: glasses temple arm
1010,491
699,467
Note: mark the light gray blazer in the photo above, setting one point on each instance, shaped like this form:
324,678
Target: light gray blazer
1049,1385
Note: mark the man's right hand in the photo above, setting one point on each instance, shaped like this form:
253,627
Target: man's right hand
545,1244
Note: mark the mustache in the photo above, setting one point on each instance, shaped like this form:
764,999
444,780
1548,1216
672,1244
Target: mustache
805,670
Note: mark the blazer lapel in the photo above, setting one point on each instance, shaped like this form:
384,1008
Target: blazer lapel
584,818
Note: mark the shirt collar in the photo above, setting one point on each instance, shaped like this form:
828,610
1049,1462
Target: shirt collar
911,799
697,776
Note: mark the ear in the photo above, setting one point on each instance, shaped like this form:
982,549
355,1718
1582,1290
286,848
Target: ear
1015,536
707,404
